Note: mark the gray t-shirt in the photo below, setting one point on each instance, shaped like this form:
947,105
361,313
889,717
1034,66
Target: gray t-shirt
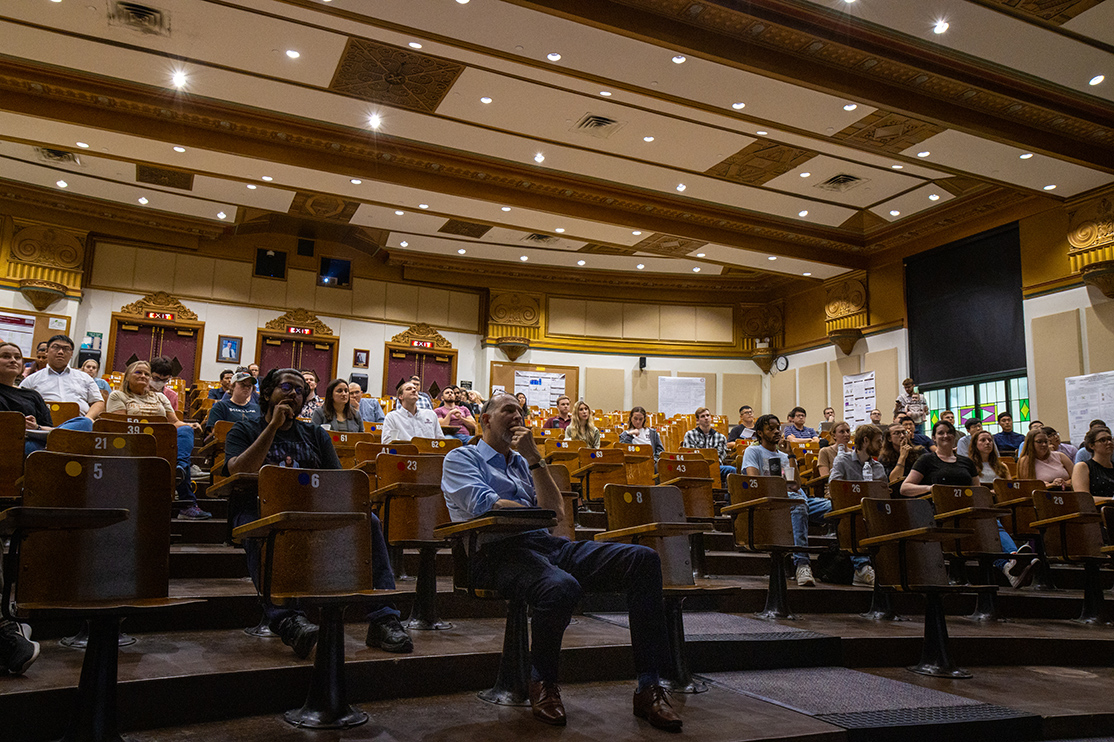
849,469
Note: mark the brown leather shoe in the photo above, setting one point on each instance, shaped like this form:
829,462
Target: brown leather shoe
653,705
545,700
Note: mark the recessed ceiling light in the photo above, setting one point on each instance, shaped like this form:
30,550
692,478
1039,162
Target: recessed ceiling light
1025,156
805,175
83,145
699,254
640,266
539,158
375,121
809,274
143,200
940,27
252,187
267,178
739,106
679,59
293,54
399,213
179,149
1096,79
559,230
934,197
681,186
524,258
605,93
506,208
647,139
1050,187
221,215
415,45
772,257
897,167
850,107
696,269
461,2
761,133
485,100
355,181
926,153
404,243
461,251
553,57
636,233
802,213
179,79
423,206
61,184
895,212
580,262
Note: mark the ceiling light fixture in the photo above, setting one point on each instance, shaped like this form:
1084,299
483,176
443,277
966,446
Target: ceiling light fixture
934,197
640,266
802,213
1026,156
179,79
553,57
252,187
293,54
1097,79
539,158
221,215
940,27
699,254
374,121
414,45
1050,187
423,206
355,181
895,212
461,251
580,262
926,153
647,139
399,213
805,175
681,186
738,106
506,208
267,178
850,106
696,269
485,100
404,243
897,167
605,93
772,257
560,230
61,184
143,200
179,149
679,59
524,258
461,2
636,234
809,274
83,145
761,133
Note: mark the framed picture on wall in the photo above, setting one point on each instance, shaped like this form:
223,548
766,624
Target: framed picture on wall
359,358
228,349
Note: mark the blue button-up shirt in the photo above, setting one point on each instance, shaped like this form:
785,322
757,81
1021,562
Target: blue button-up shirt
475,477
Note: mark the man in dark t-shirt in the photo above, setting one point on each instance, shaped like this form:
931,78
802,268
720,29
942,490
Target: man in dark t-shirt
280,439
745,428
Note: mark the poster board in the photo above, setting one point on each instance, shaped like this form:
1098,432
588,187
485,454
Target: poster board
1089,397
502,374
28,329
859,398
680,395
542,388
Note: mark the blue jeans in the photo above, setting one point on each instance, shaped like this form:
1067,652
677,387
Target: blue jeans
1008,545
185,451
551,573
82,423
812,510
724,470
382,576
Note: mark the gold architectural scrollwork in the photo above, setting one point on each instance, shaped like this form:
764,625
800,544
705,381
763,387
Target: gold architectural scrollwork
41,293
1091,240
160,301
523,310
48,246
299,318
846,310
844,297
422,332
763,321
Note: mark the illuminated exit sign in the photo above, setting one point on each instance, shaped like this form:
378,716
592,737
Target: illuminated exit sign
299,330
421,343
160,315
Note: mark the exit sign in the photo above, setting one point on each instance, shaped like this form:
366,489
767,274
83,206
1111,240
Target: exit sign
160,315
421,343
299,330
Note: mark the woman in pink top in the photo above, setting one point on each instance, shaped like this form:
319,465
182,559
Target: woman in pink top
1041,462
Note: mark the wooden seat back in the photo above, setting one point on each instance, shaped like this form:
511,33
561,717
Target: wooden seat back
601,477
345,445
122,563
639,459
166,437
711,455
60,412
367,451
630,505
439,446
690,455
317,563
373,427
845,494
13,428
1021,515
567,527
1010,463
61,440
560,450
772,528
1071,540
948,499
694,478
411,513
124,417
924,561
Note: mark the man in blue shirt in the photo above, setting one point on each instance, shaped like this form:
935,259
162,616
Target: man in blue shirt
1007,441
796,431
916,438
506,470
225,384
369,408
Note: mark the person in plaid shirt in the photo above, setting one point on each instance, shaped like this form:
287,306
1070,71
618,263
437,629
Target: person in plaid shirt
705,436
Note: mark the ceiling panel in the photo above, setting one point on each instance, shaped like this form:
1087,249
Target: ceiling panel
911,203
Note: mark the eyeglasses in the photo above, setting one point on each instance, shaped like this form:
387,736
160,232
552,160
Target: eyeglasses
59,346
1105,439
160,378
289,386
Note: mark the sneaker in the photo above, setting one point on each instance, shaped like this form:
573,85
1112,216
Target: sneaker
1019,572
17,651
194,513
389,636
196,472
864,576
298,633
804,576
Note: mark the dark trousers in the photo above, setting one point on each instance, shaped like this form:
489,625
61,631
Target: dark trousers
551,573
382,576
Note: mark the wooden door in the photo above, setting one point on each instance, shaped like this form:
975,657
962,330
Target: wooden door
133,342
436,370
276,353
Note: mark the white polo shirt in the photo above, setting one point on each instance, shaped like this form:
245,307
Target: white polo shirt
401,425
69,385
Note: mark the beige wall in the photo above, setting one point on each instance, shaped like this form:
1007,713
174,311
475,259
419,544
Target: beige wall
1100,338
812,391
886,382
604,388
1057,353
741,389
783,393
837,369
644,389
629,321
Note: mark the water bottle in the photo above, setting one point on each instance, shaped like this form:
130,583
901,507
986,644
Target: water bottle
868,471
841,450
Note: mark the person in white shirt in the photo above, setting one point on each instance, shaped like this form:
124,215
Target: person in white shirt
407,421
60,383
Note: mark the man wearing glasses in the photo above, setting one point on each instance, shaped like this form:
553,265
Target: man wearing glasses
279,438
60,383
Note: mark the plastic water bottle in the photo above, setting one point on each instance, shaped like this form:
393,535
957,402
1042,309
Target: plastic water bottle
841,450
868,471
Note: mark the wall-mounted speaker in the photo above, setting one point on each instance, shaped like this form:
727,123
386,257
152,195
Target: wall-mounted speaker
642,363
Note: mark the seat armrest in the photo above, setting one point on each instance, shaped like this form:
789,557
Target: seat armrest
843,512
59,519
225,487
650,530
296,520
493,524
1077,517
404,489
681,481
974,513
761,503
917,534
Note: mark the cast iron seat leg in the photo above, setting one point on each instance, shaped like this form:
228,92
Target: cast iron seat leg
261,630
423,616
676,676
936,660
1093,610
1042,577
699,561
511,685
326,705
777,595
881,608
396,556
95,717
81,639
986,601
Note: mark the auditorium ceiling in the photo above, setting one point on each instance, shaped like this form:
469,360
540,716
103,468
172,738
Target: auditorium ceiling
749,144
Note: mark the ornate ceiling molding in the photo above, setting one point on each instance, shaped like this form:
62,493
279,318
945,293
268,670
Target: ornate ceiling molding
160,301
423,333
47,246
1051,12
299,318
393,76
760,162
515,308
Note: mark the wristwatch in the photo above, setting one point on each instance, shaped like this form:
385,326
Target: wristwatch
539,465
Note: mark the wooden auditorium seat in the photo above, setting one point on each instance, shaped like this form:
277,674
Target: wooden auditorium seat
847,514
567,527
60,412
597,467
345,445
13,428
439,446
1070,533
639,460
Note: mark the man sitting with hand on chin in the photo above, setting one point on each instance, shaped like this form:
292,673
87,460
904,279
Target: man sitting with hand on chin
506,470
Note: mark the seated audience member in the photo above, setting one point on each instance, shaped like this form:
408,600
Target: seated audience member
581,428
136,397
336,413
408,420
745,428
506,470
253,369
841,438
455,414
984,454
314,401
474,402
162,371
225,384
93,367
974,427
705,436
1083,454
38,364
796,431
563,417
949,416
278,438
1054,469
942,466
238,406
523,403
770,458
28,403
990,467
425,402
1032,424
860,465
638,433
58,382
917,439
1096,475
912,403
898,454
1056,445
876,420
829,419
368,408
1007,441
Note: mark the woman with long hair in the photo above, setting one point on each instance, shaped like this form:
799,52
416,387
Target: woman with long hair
1041,462
581,428
942,466
841,436
1096,474
525,405
985,455
335,413
136,397
638,432
898,453
28,402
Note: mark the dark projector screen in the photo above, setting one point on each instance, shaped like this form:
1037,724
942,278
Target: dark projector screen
964,305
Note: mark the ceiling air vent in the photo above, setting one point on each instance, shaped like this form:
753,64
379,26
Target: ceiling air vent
139,17
841,183
57,156
540,239
600,127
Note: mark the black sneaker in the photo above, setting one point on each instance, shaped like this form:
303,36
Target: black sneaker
17,651
388,635
298,633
